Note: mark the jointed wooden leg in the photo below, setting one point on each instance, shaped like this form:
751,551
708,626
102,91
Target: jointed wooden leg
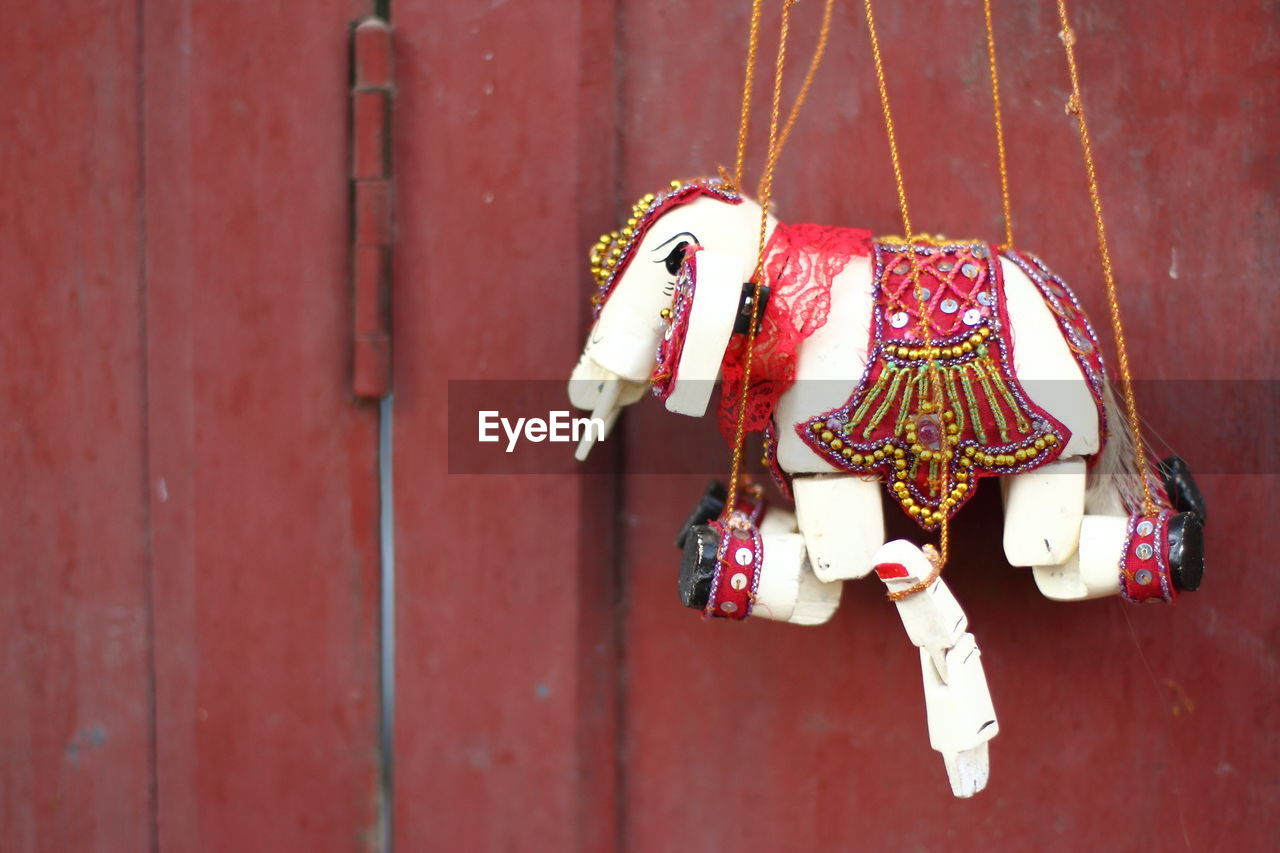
1093,571
957,700
842,519
1042,513
788,590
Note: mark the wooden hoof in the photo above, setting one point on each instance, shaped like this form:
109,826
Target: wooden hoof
709,507
1181,488
1186,551
698,565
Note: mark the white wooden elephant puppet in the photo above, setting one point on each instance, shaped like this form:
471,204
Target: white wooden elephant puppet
882,367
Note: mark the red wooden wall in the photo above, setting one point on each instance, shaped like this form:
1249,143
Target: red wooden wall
190,549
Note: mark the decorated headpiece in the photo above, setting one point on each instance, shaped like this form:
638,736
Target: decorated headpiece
612,252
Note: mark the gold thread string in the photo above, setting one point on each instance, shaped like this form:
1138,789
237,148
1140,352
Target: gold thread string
999,122
888,124
766,191
1076,106
911,238
753,43
814,62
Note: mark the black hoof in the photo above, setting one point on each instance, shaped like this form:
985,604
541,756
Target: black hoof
1186,551
709,507
1181,488
698,565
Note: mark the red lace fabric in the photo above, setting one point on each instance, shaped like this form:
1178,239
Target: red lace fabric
801,263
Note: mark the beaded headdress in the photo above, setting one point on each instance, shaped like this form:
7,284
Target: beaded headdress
612,252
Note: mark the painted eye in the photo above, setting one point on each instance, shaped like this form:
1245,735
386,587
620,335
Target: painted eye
676,257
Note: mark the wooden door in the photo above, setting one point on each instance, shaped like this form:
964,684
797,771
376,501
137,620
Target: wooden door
192,555
190,543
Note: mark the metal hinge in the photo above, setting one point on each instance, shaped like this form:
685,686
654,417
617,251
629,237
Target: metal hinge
371,220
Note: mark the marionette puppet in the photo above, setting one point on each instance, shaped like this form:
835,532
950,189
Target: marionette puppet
911,367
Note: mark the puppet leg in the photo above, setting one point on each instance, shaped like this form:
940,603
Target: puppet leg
1073,556
1093,571
1042,513
842,520
957,700
787,590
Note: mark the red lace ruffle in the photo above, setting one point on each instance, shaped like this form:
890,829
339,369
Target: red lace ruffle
801,263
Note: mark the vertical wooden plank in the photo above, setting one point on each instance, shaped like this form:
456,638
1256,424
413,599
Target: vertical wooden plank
264,470
1105,708
506,672
74,684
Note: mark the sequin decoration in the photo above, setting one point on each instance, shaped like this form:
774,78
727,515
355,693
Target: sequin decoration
1144,563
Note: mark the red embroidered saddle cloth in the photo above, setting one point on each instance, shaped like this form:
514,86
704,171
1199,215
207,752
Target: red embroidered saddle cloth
930,444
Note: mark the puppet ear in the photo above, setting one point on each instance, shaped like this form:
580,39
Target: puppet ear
717,290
